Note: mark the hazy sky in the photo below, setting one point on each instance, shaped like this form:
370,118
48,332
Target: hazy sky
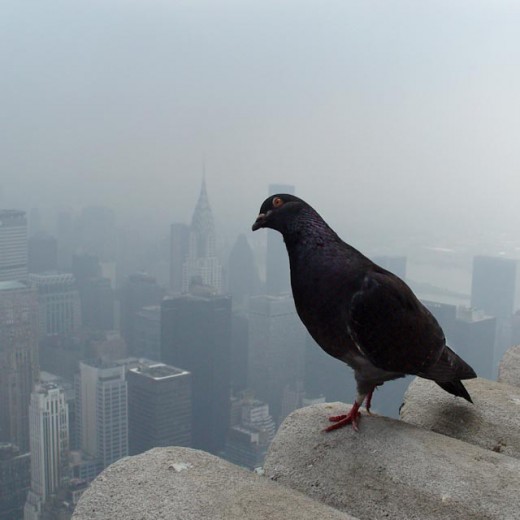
389,113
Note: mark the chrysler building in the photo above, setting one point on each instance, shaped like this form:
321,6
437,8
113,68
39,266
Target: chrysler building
202,267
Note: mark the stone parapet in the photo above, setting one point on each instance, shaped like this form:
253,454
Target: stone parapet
509,369
492,422
392,470
184,484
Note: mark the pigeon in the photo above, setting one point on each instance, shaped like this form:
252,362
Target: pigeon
357,311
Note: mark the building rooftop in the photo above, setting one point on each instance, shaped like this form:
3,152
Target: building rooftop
158,371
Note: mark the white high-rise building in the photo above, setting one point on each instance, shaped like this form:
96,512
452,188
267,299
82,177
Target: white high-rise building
103,411
13,245
49,440
202,266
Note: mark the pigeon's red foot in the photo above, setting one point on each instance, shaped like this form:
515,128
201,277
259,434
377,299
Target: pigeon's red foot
342,420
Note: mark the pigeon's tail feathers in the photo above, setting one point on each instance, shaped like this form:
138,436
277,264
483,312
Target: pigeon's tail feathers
449,367
456,388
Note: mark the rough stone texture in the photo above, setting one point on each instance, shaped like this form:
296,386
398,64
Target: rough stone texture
509,369
180,483
492,422
392,470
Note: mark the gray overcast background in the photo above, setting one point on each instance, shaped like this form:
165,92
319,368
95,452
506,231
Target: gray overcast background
384,114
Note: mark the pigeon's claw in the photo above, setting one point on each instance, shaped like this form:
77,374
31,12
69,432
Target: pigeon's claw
342,420
337,418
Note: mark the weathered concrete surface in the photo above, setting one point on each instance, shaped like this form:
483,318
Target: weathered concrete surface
492,422
392,470
180,483
509,369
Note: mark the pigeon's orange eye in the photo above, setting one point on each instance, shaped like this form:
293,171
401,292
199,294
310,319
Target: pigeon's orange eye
277,202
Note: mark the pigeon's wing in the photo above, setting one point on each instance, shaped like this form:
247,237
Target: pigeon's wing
392,328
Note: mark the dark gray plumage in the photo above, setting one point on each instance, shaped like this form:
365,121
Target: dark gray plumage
357,311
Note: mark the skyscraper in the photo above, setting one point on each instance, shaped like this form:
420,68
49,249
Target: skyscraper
97,304
13,245
196,336
493,285
18,359
58,298
159,406
243,279
15,480
147,329
179,241
473,338
276,350
202,264
103,411
140,290
48,414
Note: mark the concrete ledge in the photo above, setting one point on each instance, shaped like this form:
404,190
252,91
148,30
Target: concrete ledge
492,422
509,369
391,469
180,483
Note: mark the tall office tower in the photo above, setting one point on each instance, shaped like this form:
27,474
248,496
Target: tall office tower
103,411
196,336
493,285
49,431
139,290
243,279
252,430
159,406
276,349
202,264
58,298
18,360
239,351
13,245
97,231
97,304
277,279
43,253
473,338
147,328
15,481
69,391
179,244
394,264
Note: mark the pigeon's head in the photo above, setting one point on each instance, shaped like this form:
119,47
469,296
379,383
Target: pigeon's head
279,212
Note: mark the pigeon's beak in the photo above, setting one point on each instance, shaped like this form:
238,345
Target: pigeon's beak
260,221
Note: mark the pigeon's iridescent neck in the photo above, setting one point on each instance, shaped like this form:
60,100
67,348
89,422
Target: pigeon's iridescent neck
308,230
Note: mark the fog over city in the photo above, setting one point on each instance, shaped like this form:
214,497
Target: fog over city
138,141
383,114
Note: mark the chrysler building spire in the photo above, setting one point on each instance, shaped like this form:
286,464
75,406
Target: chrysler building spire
202,266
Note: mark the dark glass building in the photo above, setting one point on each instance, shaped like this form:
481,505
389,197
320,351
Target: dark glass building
159,406
493,285
196,336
